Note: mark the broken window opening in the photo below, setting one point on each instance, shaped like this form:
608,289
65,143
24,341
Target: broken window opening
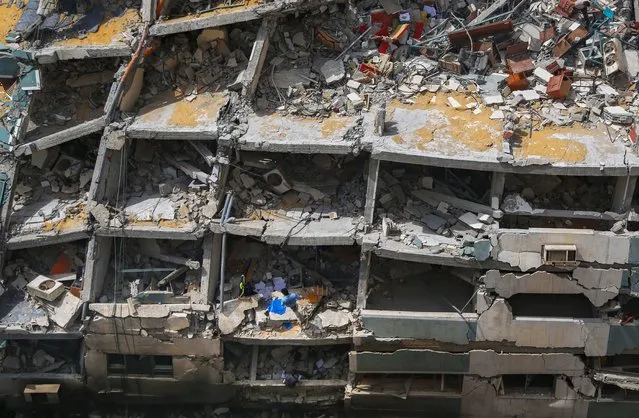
418,287
610,391
294,186
551,305
628,363
528,384
527,222
432,382
139,365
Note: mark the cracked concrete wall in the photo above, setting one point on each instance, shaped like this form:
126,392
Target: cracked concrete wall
488,363
522,248
598,285
482,400
498,324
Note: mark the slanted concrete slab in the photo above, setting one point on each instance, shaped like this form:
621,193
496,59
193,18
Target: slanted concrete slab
48,141
172,116
252,10
43,238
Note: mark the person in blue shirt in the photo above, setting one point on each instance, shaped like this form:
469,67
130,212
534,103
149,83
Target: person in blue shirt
290,299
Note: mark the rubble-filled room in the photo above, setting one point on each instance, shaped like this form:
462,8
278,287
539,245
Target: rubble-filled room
278,186
281,362
433,207
419,287
305,72
40,356
551,306
168,183
51,188
73,92
524,193
185,79
42,287
154,271
288,291
74,23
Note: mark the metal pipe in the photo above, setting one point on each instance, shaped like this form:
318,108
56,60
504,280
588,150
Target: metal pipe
225,213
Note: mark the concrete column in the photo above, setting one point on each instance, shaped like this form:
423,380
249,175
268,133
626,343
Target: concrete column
624,192
258,56
148,10
371,190
212,253
364,273
497,183
254,359
96,267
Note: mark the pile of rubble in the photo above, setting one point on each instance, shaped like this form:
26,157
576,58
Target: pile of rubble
529,64
309,362
53,187
257,276
73,92
185,179
189,64
298,187
196,7
146,266
42,287
414,207
525,193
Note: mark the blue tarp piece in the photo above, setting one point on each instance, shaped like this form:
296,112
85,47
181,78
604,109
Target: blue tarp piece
277,307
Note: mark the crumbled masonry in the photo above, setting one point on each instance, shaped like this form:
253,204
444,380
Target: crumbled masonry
370,204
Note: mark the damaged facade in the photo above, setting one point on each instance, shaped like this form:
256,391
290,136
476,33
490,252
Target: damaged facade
381,204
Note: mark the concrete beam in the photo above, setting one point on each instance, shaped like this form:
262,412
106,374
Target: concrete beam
497,183
371,190
233,15
189,232
569,214
61,137
51,55
258,56
148,10
624,192
364,273
437,160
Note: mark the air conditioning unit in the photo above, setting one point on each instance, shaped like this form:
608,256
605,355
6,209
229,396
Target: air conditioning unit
559,255
275,178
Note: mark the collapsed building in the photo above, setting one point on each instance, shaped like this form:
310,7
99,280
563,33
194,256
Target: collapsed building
449,188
